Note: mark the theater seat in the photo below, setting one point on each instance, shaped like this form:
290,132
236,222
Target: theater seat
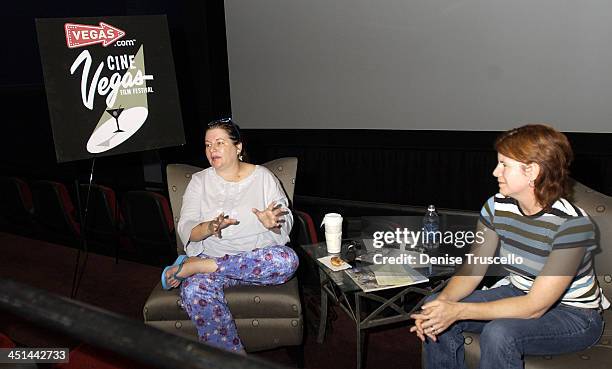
17,211
149,226
306,230
88,357
6,342
55,212
103,219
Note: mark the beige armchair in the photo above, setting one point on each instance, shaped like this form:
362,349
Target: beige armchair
266,316
599,207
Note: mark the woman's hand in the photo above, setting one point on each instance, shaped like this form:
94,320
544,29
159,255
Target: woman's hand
435,317
220,222
271,217
417,329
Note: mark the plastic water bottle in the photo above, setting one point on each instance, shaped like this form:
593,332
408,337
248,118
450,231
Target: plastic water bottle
431,227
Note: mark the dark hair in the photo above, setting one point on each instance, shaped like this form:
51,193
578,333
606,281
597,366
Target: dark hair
547,147
233,131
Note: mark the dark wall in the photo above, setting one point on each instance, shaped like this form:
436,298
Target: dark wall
197,32
451,169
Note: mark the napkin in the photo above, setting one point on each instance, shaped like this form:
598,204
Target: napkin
326,260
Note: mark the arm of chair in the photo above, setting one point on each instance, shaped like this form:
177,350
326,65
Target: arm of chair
305,231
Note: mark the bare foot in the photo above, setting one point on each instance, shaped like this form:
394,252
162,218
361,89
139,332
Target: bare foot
191,266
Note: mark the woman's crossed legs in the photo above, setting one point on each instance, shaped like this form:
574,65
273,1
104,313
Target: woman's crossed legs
203,292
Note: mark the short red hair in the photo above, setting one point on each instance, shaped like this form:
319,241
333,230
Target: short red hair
547,147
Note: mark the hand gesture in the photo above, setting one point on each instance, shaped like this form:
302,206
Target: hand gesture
220,222
417,329
271,217
435,318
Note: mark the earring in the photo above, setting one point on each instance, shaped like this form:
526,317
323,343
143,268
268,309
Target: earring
239,156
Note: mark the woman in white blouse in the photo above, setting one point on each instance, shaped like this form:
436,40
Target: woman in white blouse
234,223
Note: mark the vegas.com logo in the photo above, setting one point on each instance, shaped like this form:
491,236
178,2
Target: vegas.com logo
79,35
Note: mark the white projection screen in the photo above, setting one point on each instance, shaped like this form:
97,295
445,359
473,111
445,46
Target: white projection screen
420,64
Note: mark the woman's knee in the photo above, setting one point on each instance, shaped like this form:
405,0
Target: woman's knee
499,334
285,258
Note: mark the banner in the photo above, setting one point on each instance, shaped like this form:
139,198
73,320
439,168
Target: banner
111,86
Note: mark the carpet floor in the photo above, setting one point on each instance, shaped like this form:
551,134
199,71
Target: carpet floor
124,287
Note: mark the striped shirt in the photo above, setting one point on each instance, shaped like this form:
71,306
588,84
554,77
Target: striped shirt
534,237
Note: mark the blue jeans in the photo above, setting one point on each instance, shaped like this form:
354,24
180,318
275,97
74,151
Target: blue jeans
504,342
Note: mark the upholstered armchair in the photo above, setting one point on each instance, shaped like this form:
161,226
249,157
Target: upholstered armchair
266,316
599,207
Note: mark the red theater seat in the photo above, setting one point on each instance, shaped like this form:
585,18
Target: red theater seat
55,212
5,341
16,210
89,357
150,226
103,220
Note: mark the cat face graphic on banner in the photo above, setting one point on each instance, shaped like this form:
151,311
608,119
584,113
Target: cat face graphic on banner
115,89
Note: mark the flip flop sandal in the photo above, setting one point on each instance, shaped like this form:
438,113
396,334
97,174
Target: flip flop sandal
179,261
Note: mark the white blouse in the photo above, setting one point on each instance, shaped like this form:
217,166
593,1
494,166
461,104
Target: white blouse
209,195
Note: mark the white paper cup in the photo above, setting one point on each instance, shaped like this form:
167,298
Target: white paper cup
334,242
332,222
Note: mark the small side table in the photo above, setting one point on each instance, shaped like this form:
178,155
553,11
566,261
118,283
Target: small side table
350,297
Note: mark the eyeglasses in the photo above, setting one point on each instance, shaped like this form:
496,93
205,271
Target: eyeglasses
228,123
221,121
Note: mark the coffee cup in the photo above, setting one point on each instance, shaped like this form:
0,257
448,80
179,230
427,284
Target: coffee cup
332,222
334,242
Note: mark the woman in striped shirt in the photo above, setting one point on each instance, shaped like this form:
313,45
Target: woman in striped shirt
550,303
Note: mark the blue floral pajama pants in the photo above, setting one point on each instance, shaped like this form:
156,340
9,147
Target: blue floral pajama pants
203,294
